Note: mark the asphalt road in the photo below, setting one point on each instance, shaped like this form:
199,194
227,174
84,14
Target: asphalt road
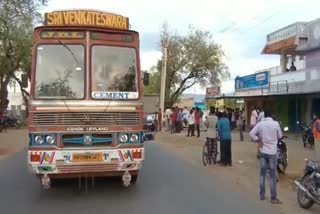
166,184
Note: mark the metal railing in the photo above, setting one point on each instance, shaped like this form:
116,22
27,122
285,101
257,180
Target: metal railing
287,32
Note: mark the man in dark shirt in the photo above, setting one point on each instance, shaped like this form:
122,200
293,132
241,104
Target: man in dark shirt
292,67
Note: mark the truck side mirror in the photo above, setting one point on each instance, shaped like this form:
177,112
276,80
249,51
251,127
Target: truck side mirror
24,80
146,78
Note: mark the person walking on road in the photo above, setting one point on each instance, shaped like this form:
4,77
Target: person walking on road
261,115
191,123
244,118
168,118
253,118
316,135
224,129
266,134
185,114
179,120
174,115
160,120
239,126
211,124
197,116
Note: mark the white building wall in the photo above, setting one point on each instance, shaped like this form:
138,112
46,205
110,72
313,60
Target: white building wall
16,105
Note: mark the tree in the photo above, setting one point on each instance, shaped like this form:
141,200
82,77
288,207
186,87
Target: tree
192,59
154,82
17,18
60,87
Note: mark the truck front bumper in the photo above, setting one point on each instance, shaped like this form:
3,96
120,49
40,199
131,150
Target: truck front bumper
77,162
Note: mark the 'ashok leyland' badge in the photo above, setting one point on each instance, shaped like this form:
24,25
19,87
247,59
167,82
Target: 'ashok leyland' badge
87,140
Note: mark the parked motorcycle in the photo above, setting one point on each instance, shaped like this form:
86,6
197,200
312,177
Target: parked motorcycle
149,127
307,135
309,186
8,122
282,154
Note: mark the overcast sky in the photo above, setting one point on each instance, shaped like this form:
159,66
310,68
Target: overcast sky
239,26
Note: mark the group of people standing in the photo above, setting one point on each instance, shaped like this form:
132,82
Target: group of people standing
219,126
175,119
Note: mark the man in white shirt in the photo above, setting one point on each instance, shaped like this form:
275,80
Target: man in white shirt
185,114
168,117
191,123
254,117
261,115
266,134
211,124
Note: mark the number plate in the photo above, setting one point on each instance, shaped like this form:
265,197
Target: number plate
87,157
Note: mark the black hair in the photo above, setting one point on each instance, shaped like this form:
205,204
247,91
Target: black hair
224,114
268,113
212,110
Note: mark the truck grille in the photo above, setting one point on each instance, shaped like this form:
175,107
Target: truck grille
86,118
77,140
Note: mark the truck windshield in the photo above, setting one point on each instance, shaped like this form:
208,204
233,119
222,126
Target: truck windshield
114,69
59,72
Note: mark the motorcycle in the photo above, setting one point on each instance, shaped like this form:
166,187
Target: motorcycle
309,186
307,135
9,122
282,154
149,127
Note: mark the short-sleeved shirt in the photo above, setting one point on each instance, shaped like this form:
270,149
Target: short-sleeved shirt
254,117
269,132
197,117
224,129
211,124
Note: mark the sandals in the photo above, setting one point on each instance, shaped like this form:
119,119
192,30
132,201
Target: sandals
277,201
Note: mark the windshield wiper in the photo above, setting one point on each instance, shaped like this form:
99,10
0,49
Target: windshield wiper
76,60
70,51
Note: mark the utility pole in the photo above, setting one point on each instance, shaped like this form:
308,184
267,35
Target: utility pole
163,74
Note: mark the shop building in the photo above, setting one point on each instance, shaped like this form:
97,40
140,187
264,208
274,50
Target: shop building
291,89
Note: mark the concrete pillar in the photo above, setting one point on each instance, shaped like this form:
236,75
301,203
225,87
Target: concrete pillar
283,62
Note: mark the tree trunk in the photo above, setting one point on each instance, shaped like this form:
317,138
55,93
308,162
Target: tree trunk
4,94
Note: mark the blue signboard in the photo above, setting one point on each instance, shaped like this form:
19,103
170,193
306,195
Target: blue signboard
200,105
257,80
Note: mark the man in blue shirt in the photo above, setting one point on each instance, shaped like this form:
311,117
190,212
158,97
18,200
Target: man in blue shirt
224,130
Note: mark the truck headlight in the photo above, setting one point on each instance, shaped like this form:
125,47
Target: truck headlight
134,138
50,139
38,139
123,138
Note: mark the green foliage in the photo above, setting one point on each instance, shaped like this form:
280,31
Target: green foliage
154,83
60,87
194,58
17,18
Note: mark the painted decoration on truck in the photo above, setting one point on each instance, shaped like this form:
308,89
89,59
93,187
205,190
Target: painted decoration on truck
86,18
47,157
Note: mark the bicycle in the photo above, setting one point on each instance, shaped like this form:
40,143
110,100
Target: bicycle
209,152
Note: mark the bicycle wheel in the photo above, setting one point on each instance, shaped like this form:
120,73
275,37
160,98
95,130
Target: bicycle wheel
205,154
214,152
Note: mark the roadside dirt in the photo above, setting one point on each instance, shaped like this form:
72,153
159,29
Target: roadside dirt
12,141
244,175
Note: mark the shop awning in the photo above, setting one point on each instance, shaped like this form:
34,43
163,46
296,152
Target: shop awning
286,45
